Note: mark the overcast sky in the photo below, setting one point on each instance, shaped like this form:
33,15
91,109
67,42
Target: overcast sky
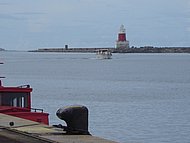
33,24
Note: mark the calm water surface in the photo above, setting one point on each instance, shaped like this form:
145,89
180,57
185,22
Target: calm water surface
140,98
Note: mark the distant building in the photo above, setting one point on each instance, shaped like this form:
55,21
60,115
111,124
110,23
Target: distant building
122,42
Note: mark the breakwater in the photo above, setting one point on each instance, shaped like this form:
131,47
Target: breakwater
119,50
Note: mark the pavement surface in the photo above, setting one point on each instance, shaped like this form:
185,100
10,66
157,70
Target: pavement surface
17,130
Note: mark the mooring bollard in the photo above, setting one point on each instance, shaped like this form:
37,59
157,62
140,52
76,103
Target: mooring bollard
76,118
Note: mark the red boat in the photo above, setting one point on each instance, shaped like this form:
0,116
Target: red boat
16,101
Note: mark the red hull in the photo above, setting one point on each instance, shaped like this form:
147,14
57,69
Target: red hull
25,114
33,116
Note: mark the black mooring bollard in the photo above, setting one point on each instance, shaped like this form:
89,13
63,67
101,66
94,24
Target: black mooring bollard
76,118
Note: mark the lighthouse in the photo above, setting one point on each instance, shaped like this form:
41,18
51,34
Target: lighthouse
122,42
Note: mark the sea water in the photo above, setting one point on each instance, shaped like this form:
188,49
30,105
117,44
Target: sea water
140,98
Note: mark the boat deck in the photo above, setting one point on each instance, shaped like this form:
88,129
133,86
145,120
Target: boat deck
17,130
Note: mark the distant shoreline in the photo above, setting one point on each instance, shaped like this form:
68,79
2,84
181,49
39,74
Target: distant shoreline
121,50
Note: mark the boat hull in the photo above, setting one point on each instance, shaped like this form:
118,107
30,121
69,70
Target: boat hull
101,56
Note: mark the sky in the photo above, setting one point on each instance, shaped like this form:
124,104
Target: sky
33,24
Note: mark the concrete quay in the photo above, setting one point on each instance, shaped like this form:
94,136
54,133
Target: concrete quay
17,130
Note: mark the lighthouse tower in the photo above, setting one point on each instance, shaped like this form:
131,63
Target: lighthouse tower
121,42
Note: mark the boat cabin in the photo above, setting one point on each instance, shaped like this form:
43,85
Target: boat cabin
16,101
15,96
103,54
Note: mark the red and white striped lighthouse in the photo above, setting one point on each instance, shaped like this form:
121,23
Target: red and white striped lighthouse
122,42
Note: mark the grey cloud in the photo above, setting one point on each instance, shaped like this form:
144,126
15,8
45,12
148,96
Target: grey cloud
30,13
19,16
4,3
10,17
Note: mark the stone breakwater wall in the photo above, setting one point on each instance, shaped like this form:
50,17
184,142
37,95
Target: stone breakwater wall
82,50
122,50
155,50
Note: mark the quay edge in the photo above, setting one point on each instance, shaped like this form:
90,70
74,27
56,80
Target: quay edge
33,132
